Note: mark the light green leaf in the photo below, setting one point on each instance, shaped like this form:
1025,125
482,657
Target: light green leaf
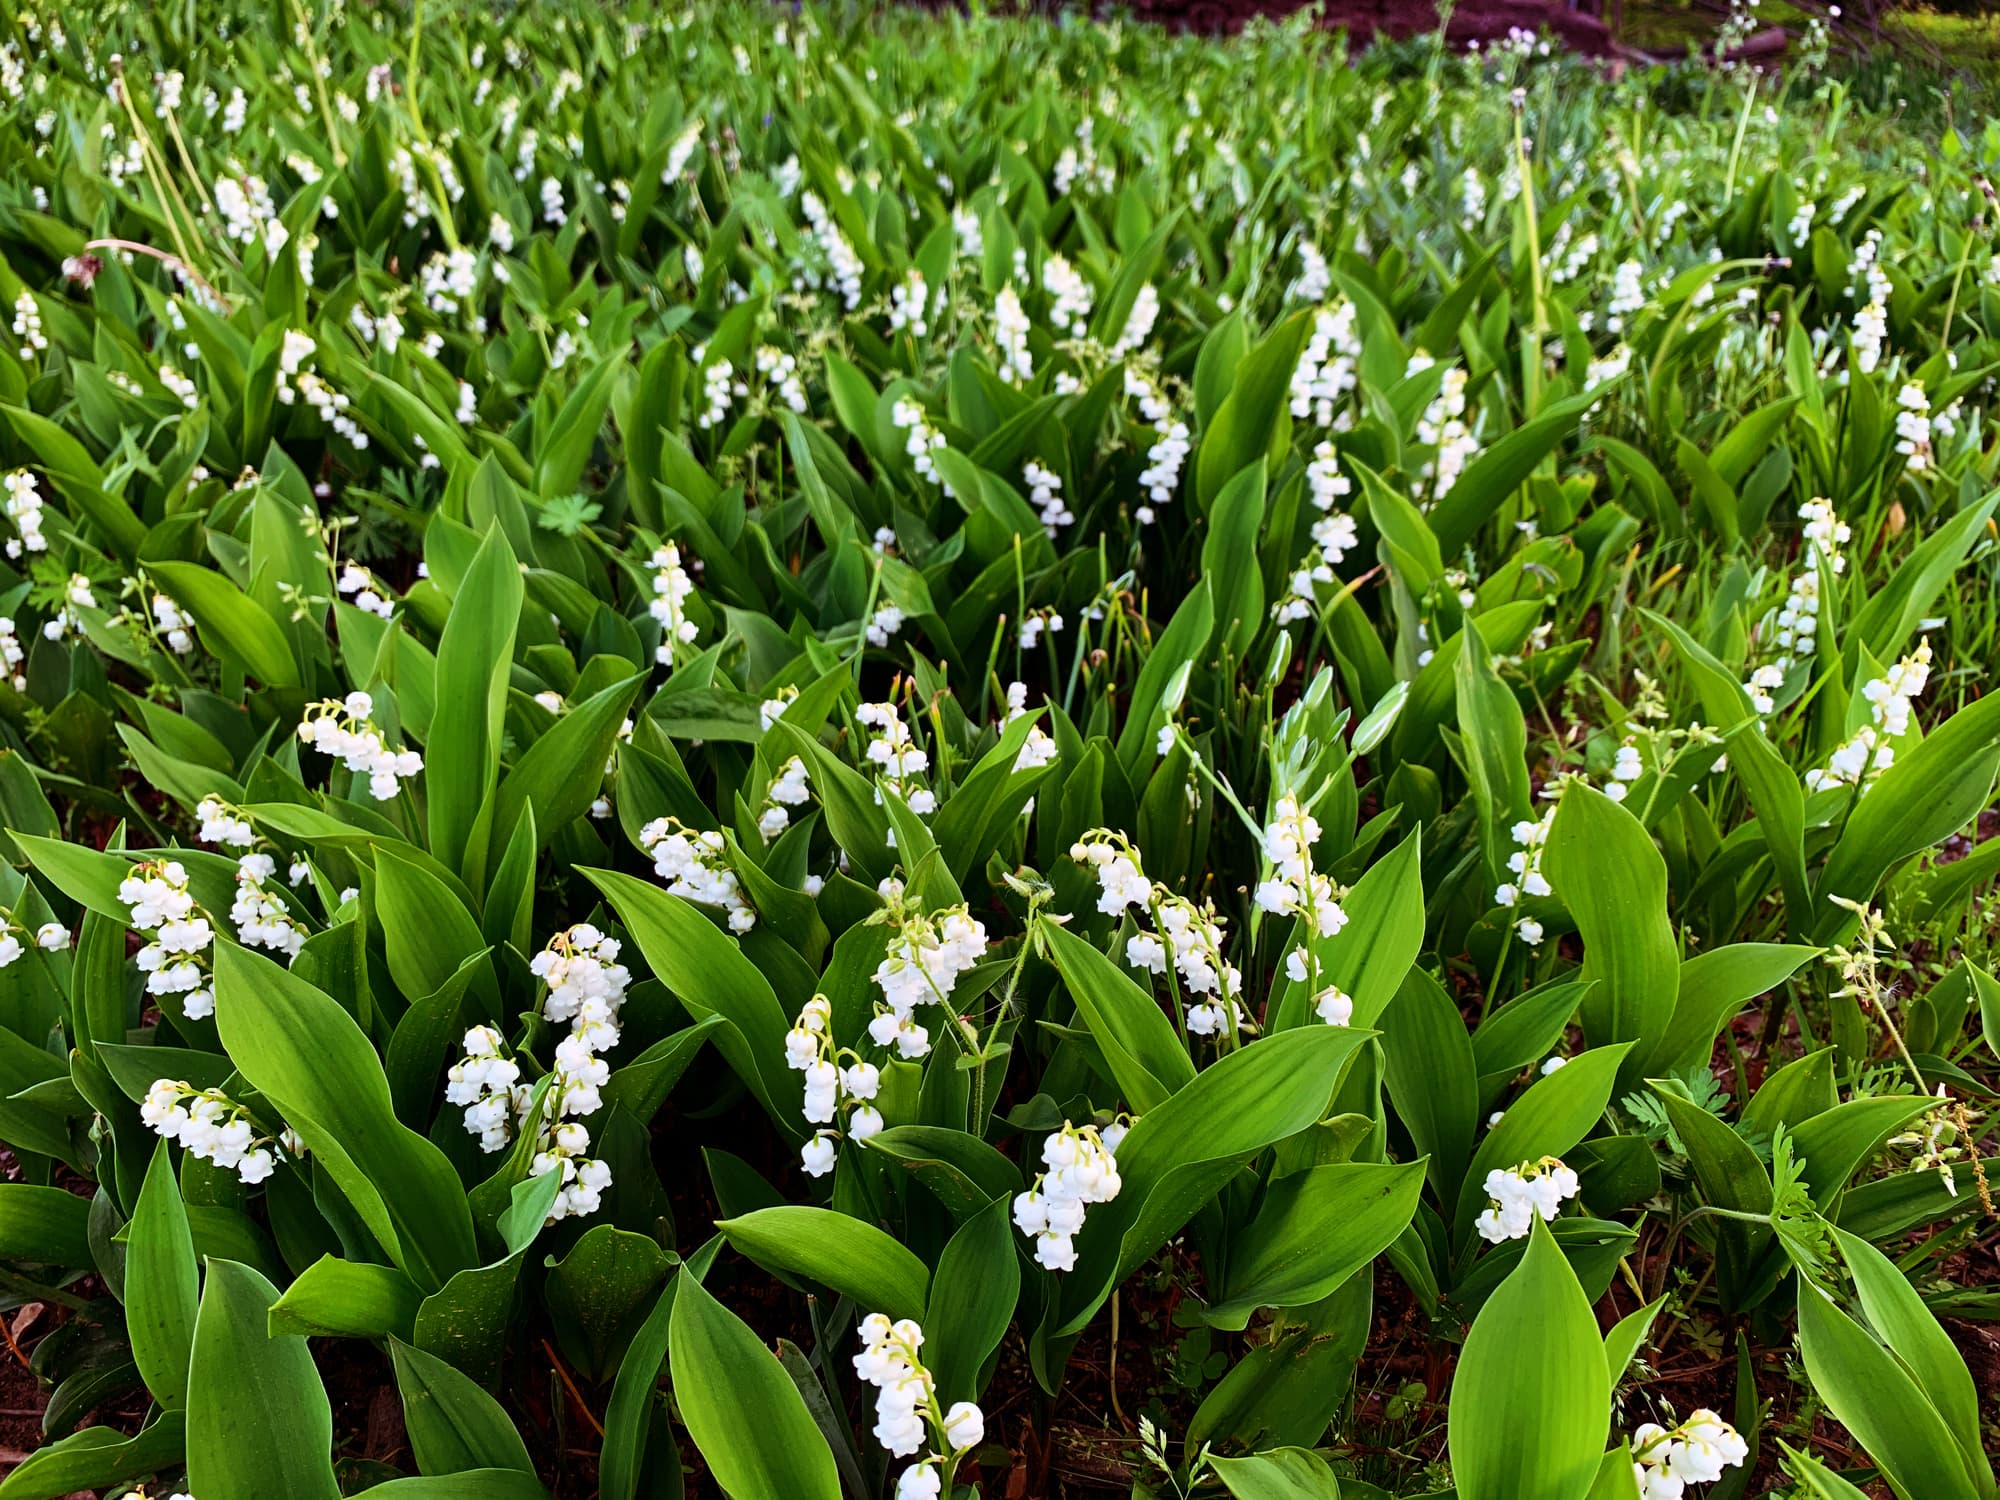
1531,1401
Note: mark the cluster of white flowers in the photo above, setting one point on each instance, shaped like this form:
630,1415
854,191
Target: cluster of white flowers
1627,766
487,1085
213,1128
1866,280
884,623
1081,1168
1569,258
1071,293
681,152
77,594
907,1415
1138,323
910,304
1294,887
1870,333
1081,164
840,255
51,937
449,280
928,955
584,1177
897,757
1609,367
923,440
293,353
586,989
262,916
586,984
1531,837
1871,749
167,617
1168,453
331,407
1913,427
180,387
1665,1462
1797,626
1038,623
695,865
719,387
1443,428
11,654
1010,334
672,588
28,324
1334,535
1315,278
1516,1194
24,510
1045,494
773,708
1192,936
1628,294
359,587
789,789
344,729
1799,226
179,936
837,1080
1038,749
780,372
248,212
1328,367
1471,199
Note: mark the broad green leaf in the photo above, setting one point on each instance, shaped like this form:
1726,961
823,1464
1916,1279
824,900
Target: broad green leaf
1281,1474
1496,752
1900,1319
453,1424
1145,1055
1714,986
309,1058
1606,870
741,1408
462,757
971,1300
562,772
1180,1153
1876,1399
1371,955
708,971
1429,1069
1316,1229
259,1423
1934,789
1531,1399
855,1259
162,1290
231,624
468,1484
595,1292
44,1224
97,1458
347,1299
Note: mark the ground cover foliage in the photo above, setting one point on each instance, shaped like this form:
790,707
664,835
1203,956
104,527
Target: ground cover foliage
797,755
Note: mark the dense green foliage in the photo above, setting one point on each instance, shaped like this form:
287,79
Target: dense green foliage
687,682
